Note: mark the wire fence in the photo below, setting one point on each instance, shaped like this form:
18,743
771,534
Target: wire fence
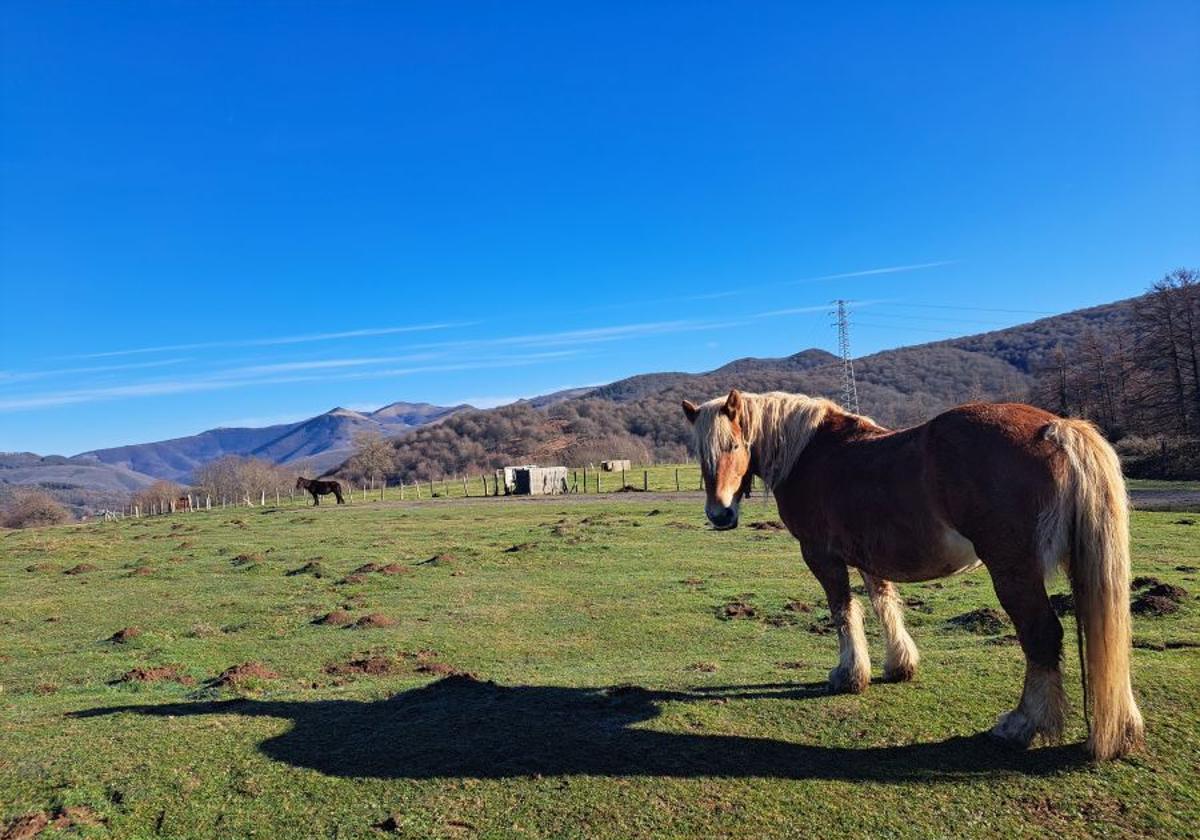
657,478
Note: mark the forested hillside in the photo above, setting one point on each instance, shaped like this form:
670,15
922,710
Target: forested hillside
639,417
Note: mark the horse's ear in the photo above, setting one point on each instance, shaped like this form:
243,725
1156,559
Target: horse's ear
690,410
733,404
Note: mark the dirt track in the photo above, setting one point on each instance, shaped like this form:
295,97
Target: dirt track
1162,500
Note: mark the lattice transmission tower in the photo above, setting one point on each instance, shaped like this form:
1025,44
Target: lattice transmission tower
849,386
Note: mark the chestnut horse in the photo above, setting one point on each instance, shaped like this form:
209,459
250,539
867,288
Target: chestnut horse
1009,486
320,488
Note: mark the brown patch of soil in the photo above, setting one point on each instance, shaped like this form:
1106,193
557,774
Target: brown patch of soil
81,568
514,549
246,559
692,581
1142,581
1153,606
767,526
45,688
374,620
338,618
1063,603
26,826
141,571
239,675
823,627
354,579
366,568
792,666
797,606
43,567
985,621
313,568
371,666
125,634
158,673
1159,599
395,569
703,667
438,560
31,825
732,610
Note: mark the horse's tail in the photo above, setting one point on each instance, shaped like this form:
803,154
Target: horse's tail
1087,529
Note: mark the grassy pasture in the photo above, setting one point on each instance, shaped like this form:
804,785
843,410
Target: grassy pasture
612,693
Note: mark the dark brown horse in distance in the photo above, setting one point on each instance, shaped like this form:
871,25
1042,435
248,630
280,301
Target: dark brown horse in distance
319,488
1010,486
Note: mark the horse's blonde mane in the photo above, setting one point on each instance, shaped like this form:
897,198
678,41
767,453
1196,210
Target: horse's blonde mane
775,425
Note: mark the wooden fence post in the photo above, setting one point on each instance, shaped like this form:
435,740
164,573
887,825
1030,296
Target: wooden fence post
645,479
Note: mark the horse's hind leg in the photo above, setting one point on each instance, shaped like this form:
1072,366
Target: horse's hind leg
853,672
1043,705
900,663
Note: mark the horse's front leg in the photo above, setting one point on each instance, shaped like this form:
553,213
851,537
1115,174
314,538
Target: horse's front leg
901,660
853,672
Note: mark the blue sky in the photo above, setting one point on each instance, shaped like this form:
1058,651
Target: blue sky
215,214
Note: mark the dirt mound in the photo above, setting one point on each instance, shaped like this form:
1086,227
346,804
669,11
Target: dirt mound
519,547
239,675
247,559
337,618
81,568
353,579
141,571
1169,591
125,634
395,569
737,609
366,568
439,560
29,826
985,621
158,673
1158,598
43,567
767,526
1063,603
703,667
1142,581
797,606
313,568
372,666
374,620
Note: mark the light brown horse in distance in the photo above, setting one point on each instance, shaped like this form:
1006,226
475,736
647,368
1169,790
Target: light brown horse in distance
1010,486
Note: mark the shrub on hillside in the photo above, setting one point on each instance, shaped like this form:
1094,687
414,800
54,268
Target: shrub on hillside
33,509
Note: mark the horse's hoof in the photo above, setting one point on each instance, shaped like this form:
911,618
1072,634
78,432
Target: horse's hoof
1014,729
899,673
845,681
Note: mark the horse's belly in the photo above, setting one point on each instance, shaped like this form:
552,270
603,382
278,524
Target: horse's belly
945,553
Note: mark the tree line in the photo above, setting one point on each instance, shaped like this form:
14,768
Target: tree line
1140,384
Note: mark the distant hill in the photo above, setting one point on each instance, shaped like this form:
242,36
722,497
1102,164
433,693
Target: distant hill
83,484
639,417
320,442
104,478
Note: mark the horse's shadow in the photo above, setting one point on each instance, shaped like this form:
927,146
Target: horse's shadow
462,727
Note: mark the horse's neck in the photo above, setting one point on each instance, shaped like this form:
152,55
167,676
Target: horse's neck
775,462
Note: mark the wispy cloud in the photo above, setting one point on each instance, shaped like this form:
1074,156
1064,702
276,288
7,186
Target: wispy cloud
12,377
226,380
278,340
890,269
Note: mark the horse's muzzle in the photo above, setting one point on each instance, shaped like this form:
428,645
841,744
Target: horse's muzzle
722,518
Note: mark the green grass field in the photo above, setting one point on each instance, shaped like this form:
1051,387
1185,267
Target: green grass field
609,695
